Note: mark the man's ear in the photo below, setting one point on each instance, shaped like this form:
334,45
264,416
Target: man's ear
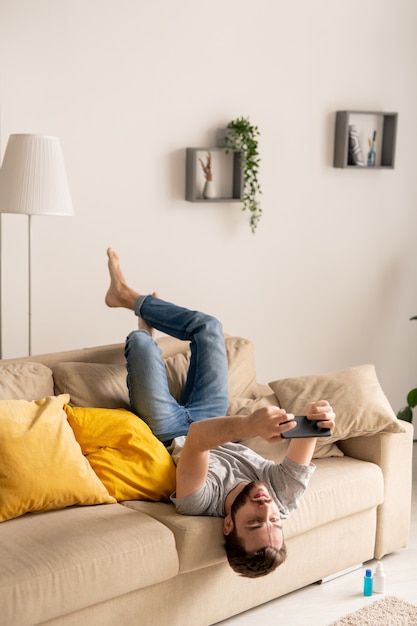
227,525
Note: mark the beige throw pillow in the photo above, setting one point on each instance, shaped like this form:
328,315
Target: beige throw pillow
25,381
93,384
361,407
242,370
241,366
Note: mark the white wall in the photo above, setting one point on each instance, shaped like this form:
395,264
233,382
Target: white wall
327,282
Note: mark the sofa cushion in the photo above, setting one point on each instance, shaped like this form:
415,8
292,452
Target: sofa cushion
129,460
338,489
104,385
241,368
199,539
361,407
56,563
93,384
42,466
25,381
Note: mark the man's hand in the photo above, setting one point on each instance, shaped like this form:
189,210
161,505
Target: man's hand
270,422
322,413
302,450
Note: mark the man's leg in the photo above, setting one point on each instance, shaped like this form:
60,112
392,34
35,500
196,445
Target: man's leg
149,394
206,390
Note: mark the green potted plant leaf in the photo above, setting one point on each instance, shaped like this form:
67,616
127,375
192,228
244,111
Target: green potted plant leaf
243,136
406,413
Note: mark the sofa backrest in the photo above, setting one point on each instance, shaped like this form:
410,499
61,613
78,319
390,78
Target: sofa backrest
112,353
96,376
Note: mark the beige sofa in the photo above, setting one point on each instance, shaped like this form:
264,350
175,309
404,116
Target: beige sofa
140,563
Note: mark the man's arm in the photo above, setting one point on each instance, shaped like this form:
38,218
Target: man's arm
268,422
301,450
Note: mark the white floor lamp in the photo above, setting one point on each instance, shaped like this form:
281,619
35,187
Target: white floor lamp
33,181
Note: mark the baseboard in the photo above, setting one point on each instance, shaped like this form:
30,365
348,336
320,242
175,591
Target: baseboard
342,572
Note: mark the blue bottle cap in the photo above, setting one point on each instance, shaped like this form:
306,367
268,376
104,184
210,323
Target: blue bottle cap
368,573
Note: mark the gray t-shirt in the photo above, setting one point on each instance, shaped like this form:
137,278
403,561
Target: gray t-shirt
233,463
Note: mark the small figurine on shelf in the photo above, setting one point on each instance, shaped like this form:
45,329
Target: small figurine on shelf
208,191
371,152
355,156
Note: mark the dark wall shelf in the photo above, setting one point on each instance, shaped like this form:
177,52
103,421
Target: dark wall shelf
386,137
192,191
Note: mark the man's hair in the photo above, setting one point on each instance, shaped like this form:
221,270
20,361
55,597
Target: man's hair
251,565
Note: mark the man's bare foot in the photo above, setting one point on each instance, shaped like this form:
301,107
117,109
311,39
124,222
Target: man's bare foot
119,293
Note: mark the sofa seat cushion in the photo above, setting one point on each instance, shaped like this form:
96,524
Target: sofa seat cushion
57,562
199,539
338,488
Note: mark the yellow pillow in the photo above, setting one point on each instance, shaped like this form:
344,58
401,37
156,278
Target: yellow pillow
129,460
41,464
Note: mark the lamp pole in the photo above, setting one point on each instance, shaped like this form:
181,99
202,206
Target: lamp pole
33,181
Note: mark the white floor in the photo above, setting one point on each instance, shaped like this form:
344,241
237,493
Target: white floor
320,605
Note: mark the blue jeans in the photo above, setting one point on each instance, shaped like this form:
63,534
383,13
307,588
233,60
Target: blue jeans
205,392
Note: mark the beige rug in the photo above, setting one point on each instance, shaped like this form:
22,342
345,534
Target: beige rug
390,611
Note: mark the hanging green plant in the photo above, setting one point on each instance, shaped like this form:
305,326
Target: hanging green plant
243,136
406,413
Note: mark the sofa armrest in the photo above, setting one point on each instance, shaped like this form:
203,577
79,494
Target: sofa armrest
393,453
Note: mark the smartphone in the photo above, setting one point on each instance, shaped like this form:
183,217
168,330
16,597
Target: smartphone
306,428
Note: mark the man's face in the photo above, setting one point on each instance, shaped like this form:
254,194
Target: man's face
256,518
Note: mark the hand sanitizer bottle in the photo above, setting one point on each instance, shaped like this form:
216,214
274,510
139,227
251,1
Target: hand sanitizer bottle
379,578
367,583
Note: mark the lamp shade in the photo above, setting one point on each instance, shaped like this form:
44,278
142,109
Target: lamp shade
33,180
